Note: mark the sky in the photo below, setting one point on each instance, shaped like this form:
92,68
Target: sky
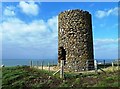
29,30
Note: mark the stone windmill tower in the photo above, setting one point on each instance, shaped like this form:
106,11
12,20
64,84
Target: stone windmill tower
75,41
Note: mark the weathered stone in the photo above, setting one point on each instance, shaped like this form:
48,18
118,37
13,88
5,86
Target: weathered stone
75,36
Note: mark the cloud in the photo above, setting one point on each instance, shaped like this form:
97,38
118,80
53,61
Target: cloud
104,13
29,8
100,43
0,39
0,10
9,11
106,53
37,34
106,48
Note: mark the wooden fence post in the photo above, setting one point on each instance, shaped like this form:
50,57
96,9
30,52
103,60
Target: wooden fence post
62,69
104,63
49,66
95,64
53,63
37,64
113,66
31,64
118,63
42,65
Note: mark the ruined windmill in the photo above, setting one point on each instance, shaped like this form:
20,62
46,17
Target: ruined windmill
75,41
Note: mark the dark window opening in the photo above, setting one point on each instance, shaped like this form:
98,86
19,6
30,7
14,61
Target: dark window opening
61,54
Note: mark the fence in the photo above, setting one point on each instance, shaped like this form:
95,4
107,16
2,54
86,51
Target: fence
52,65
43,65
98,64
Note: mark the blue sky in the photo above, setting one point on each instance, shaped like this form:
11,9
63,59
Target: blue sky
29,29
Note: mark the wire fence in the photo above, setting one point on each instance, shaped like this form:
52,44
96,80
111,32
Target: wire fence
52,66
89,65
49,64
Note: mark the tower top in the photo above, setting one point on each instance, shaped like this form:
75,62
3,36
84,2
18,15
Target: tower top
75,10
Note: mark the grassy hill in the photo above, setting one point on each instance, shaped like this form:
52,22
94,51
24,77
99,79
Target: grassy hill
30,78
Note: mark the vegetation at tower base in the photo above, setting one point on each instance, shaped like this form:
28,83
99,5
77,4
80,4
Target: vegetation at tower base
75,36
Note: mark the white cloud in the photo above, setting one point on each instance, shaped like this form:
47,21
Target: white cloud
106,48
29,7
38,37
36,34
0,10
105,42
9,11
0,44
0,38
104,13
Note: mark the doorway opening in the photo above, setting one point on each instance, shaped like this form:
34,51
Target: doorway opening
61,54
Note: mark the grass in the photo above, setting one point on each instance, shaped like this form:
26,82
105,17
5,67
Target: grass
29,78
26,78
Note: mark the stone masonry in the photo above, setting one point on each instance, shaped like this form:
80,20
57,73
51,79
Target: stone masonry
75,39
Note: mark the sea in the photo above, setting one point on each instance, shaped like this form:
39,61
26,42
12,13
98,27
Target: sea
21,62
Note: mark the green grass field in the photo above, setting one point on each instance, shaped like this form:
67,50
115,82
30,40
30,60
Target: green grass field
30,78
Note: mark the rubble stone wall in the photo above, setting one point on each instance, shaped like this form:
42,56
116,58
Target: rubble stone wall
75,36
